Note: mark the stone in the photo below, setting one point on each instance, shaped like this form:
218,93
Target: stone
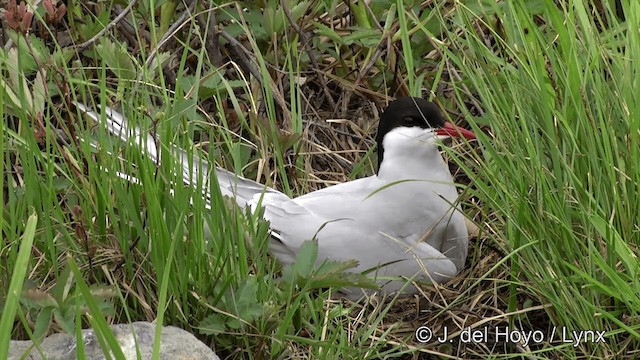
133,338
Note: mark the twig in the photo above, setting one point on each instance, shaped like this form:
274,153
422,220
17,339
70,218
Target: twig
212,37
472,98
381,48
247,59
113,23
312,57
457,77
129,31
163,40
384,40
243,55
169,33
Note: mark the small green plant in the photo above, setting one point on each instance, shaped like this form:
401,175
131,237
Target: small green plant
56,309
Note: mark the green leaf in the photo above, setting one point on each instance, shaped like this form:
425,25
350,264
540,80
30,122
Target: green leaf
210,85
36,298
212,324
366,37
243,303
620,247
117,59
323,30
13,97
63,285
43,323
159,60
336,274
305,274
39,95
306,259
61,57
65,317
18,82
25,62
15,286
184,107
92,25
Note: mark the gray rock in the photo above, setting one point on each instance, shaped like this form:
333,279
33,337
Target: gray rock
133,338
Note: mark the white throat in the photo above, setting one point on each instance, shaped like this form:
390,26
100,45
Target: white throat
411,153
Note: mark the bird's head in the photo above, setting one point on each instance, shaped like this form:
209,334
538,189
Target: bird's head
410,123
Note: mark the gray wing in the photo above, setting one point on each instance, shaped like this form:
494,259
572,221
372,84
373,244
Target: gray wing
348,224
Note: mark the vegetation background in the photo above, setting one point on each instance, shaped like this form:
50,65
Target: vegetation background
289,93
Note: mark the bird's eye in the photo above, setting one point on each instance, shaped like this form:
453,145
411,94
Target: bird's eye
412,120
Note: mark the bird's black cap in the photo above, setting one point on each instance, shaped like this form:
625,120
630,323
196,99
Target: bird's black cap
407,111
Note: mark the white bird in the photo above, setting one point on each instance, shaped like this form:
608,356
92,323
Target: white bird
401,222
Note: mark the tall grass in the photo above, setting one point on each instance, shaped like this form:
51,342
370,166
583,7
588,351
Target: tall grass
558,91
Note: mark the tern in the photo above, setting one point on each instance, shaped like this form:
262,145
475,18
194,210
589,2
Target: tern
403,222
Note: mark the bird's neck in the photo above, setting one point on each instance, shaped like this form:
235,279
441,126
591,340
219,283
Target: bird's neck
413,163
